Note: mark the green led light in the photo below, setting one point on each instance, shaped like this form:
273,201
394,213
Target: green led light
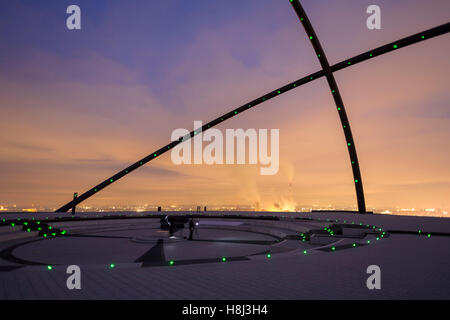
429,235
310,38
13,224
311,78
332,91
224,259
423,37
49,268
278,92
111,180
295,85
45,235
301,19
305,252
357,182
349,63
371,55
269,255
154,154
171,262
28,230
395,46
333,248
318,55
420,231
354,245
349,144
339,109
112,265
378,239
140,163
368,241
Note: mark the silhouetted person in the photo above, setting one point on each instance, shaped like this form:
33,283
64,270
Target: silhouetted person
171,221
191,228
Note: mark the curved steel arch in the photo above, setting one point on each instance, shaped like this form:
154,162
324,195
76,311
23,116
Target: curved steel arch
418,37
337,100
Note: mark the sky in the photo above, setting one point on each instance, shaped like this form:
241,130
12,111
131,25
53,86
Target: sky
78,106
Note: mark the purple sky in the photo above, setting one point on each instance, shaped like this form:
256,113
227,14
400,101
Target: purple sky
77,106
